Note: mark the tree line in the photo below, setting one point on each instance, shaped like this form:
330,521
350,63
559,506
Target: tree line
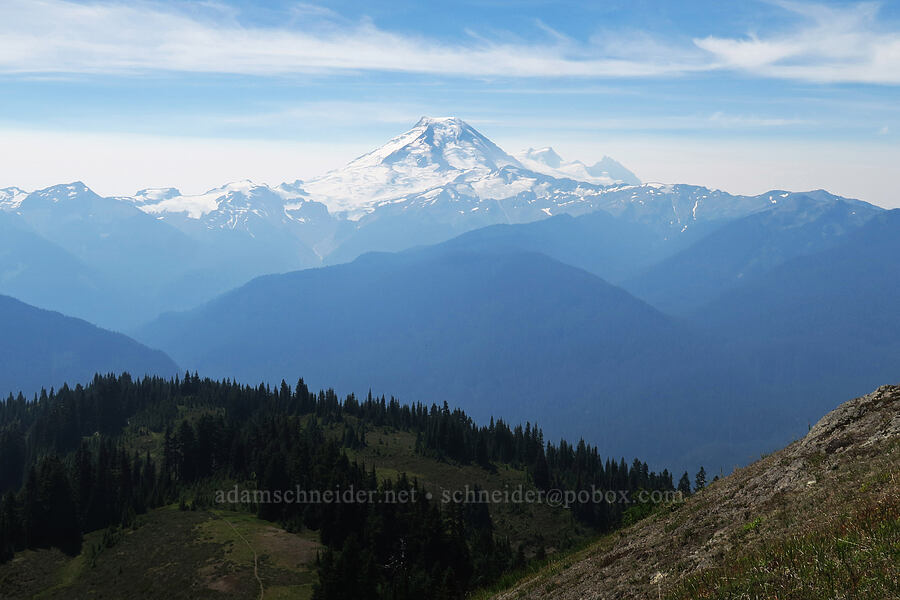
68,466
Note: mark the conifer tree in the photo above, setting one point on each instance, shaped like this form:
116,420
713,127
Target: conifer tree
700,480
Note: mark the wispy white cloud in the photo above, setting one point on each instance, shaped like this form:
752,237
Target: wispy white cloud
652,124
834,45
359,114
831,44
60,36
345,113
720,119
307,10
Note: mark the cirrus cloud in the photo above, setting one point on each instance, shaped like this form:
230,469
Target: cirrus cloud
53,36
835,44
843,44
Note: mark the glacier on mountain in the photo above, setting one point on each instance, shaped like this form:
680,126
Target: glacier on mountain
604,172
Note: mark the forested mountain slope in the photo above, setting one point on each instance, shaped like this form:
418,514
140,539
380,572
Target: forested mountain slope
827,323
90,475
749,248
44,349
492,331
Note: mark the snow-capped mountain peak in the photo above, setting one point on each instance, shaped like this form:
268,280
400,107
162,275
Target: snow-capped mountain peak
65,190
439,159
11,198
158,201
435,152
607,167
543,156
442,170
604,172
58,194
446,141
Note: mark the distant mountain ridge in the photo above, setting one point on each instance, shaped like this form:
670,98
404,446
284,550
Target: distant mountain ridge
743,249
606,171
161,250
668,293
44,349
492,330
442,174
827,322
498,319
11,198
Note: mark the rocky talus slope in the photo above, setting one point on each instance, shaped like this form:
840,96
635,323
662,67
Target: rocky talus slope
817,519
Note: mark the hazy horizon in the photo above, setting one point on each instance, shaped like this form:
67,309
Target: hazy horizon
768,95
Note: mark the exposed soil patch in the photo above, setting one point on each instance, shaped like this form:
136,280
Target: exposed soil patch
287,549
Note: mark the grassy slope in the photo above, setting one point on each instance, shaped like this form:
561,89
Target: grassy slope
392,452
819,519
172,554
184,554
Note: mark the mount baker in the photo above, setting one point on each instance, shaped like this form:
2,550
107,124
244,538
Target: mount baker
124,260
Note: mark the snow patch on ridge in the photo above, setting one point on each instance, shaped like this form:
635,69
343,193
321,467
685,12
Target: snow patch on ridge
11,198
169,200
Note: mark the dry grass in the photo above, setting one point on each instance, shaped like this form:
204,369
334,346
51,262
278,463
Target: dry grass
818,519
852,556
172,554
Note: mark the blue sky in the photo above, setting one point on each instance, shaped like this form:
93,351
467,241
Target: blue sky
743,96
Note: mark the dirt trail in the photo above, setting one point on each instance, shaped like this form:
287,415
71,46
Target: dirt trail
262,591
